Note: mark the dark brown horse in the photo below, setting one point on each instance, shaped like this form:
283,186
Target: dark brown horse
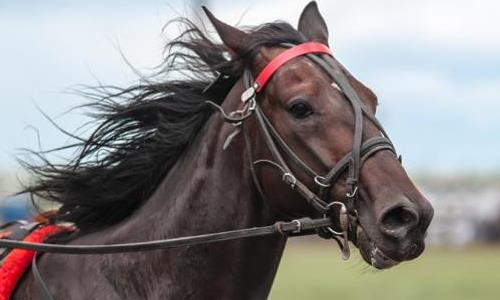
161,165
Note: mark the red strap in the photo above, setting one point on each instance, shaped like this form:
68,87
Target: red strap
284,57
18,260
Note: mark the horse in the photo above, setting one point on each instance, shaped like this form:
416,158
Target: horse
201,147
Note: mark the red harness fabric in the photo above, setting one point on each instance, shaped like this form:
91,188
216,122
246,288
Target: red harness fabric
18,260
287,55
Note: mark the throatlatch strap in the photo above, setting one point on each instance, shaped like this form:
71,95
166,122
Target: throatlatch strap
284,57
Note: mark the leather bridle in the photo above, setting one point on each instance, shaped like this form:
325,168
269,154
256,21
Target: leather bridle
351,162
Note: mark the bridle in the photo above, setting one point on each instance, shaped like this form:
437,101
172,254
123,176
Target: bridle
322,56
347,218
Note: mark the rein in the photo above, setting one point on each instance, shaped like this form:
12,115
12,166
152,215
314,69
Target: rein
352,162
304,226
347,214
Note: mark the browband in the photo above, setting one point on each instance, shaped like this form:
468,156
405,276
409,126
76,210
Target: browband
284,57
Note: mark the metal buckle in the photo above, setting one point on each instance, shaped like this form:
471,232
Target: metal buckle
249,93
290,179
299,226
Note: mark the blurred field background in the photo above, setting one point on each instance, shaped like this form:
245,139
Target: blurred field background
433,64
317,272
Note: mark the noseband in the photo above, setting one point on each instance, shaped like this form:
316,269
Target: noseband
351,162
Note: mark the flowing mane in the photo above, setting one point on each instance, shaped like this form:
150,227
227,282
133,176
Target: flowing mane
143,129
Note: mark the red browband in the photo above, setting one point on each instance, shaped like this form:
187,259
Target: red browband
284,57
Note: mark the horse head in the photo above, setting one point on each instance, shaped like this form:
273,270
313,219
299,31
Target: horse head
314,136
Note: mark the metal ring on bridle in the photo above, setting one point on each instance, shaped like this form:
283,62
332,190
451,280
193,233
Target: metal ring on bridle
342,211
320,180
252,104
353,193
343,208
333,231
244,113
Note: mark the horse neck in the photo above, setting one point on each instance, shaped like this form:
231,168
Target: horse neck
209,190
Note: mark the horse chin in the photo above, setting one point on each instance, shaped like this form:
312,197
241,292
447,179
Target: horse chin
371,253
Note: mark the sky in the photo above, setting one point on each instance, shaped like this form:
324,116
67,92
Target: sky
435,66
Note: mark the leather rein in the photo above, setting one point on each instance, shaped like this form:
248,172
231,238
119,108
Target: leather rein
346,219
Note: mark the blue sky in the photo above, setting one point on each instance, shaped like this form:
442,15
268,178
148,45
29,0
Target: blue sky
433,64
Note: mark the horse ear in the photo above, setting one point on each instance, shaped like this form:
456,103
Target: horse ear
312,25
231,36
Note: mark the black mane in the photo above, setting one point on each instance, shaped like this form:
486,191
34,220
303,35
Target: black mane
143,129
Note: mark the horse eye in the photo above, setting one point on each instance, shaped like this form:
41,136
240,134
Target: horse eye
300,110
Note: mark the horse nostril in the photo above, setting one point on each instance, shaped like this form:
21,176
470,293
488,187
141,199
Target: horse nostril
399,220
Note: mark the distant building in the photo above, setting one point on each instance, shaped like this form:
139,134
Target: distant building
460,212
15,208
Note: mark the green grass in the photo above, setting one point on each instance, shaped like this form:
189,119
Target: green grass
317,272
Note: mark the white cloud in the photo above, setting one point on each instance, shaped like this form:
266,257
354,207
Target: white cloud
43,52
445,23
474,103
431,86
